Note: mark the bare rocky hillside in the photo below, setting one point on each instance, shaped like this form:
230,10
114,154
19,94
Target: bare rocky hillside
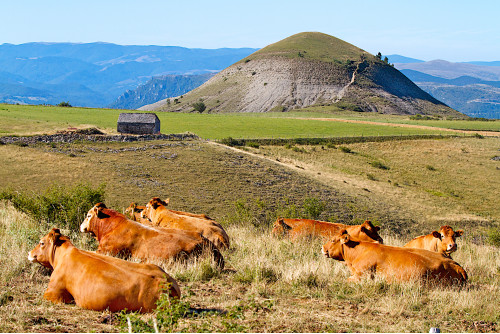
308,69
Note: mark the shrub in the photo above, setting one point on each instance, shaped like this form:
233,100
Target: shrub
199,106
313,208
230,141
58,206
253,144
64,104
494,237
431,168
168,312
379,165
345,149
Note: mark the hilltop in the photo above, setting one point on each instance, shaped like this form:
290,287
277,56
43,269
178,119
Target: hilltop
307,69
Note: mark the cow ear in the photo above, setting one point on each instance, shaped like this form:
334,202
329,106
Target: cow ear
376,228
459,233
345,238
284,225
101,214
436,234
166,202
55,234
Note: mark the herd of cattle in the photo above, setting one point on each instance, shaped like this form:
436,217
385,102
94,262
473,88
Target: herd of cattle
97,281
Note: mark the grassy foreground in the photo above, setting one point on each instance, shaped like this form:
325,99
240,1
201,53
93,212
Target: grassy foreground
269,285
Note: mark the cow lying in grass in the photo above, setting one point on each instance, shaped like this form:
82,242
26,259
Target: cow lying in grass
393,263
159,215
442,241
99,282
118,235
295,228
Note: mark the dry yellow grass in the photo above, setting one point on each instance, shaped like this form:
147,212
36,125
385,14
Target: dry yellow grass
269,285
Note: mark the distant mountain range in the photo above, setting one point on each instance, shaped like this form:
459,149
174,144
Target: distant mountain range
96,74
118,76
472,88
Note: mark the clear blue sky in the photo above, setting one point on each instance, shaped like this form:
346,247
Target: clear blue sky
453,30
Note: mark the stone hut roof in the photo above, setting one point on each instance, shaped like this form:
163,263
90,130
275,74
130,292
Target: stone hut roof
138,118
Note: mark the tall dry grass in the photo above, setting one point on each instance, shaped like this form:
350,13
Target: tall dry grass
269,285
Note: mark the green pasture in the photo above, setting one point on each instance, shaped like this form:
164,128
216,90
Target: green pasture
26,120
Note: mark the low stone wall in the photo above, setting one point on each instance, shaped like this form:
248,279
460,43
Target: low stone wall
69,137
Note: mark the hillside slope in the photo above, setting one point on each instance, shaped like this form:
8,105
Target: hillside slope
307,69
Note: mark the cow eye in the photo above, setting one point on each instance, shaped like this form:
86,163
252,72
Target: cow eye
42,243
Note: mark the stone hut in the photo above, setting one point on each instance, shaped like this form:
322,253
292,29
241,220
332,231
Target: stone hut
138,123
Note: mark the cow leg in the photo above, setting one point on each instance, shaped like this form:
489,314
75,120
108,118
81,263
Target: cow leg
57,294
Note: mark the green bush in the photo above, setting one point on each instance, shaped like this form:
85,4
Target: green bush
199,106
230,141
57,206
379,165
168,312
494,237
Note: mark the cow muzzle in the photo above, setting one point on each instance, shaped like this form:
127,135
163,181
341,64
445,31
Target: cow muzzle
324,251
31,258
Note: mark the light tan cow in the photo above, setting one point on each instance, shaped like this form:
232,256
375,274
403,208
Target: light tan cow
295,228
393,263
157,213
99,282
442,241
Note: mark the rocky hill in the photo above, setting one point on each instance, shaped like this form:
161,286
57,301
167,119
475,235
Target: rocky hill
309,69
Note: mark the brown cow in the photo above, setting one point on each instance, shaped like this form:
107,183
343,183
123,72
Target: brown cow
134,212
99,282
295,228
161,216
393,263
118,235
442,241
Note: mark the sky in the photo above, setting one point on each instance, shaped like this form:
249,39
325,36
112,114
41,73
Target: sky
453,30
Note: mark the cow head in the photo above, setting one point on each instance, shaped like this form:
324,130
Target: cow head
151,207
280,228
44,252
333,249
134,211
448,239
95,213
369,232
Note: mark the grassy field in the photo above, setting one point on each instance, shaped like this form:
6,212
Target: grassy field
26,120
406,187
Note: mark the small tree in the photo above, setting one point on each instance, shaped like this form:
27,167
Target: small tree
199,106
64,104
379,56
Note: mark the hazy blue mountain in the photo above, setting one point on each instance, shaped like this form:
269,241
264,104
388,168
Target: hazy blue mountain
470,95
402,59
159,88
96,74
